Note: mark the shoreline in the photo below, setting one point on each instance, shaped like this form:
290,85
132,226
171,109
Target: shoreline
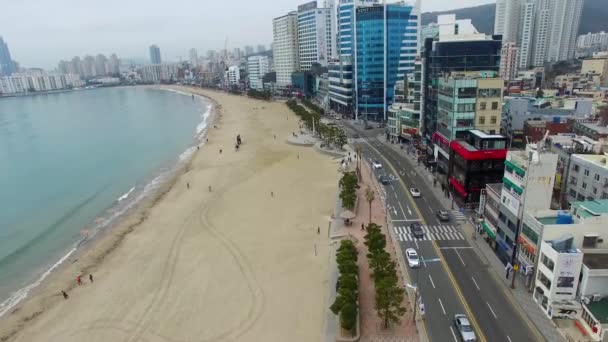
118,227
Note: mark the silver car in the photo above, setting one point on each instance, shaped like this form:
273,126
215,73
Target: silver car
467,334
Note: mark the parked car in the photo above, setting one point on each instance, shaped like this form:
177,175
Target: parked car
465,330
416,230
415,192
443,215
384,179
376,165
356,136
412,258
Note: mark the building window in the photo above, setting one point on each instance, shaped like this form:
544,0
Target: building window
589,241
565,281
586,172
493,119
575,168
580,197
594,190
584,185
529,233
482,120
597,177
482,106
547,262
604,195
494,105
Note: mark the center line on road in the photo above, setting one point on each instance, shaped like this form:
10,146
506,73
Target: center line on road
453,335
477,286
509,339
442,308
416,243
459,257
431,279
492,311
423,261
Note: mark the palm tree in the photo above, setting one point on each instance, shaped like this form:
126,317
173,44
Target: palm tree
370,196
358,151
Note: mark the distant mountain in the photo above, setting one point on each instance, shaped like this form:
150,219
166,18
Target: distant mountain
594,16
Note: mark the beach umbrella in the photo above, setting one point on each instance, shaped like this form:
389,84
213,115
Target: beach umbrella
347,215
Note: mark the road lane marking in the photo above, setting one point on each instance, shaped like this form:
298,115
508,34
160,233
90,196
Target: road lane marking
431,279
441,304
416,243
474,282
459,257
492,311
453,334
509,339
408,209
412,220
460,247
423,261
455,286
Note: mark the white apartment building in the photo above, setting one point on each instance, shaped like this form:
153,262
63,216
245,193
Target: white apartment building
593,40
193,57
509,61
544,30
285,47
257,67
314,35
24,83
233,75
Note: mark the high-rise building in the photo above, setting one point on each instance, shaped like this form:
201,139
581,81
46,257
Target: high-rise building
88,67
564,30
7,65
114,65
100,65
341,69
155,55
459,47
379,66
285,48
257,67
193,57
544,30
597,41
233,75
509,61
333,26
248,50
507,19
261,48
314,35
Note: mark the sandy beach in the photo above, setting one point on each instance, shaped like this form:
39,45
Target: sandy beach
233,264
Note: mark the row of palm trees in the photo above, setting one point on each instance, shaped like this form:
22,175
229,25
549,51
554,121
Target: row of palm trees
346,304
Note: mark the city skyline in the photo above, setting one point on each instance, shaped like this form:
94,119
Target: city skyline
118,27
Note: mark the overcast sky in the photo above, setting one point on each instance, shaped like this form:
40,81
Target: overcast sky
41,32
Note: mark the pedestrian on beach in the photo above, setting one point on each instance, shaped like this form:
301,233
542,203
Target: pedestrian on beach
65,295
362,227
207,140
220,151
318,230
91,278
275,137
271,194
209,188
188,185
198,147
79,280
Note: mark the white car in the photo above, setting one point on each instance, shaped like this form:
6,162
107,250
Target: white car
415,192
412,258
376,164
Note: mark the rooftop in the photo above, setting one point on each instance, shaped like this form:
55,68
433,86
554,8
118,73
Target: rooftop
599,309
590,208
596,261
484,135
595,127
597,159
547,220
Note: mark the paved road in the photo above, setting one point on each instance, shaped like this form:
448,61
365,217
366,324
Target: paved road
452,279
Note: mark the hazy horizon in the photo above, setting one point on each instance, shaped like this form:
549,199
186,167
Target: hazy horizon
62,29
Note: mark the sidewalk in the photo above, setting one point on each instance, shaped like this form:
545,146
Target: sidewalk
520,294
372,329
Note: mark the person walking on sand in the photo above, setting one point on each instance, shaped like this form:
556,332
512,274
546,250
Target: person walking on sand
209,188
271,194
220,151
65,295
188,185
79,280
91,278
318,230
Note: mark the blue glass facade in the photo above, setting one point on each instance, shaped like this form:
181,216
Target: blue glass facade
386,45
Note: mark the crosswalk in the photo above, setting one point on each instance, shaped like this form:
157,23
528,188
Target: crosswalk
458,215
439,232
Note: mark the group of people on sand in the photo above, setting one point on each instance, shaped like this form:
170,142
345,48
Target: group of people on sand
79,282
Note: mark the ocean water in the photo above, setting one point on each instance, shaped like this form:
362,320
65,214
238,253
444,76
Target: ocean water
72,163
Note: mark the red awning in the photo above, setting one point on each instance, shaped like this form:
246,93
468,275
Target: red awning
526,244
438,136
458,187
477,155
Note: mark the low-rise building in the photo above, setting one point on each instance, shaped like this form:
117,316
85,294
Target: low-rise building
587,177
592,130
